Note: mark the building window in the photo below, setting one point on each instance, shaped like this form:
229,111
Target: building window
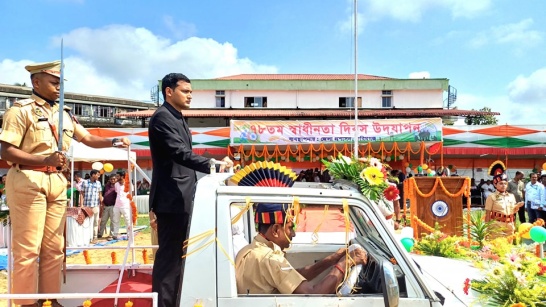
386,99
255,102
220,99
105,111
3,104
77,109
349,102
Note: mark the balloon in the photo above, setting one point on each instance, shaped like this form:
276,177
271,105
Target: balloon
523,227
388,159
419,168
410,165
424,166
406,164
408,243
429,171
108,167
401,157
408,169
97,166
101,171
544,166
432,173
406,232
538,234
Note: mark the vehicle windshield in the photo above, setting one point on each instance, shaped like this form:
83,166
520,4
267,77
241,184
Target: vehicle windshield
327,224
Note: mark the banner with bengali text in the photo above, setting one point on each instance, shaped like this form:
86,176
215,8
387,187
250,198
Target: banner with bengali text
335,131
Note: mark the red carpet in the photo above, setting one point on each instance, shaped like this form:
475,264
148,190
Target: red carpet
140,283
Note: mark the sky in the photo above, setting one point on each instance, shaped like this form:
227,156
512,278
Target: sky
493,52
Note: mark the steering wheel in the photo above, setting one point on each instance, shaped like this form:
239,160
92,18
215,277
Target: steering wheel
348,285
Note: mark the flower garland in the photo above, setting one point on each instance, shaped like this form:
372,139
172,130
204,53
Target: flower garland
87,303
47,303
519,234
129,303
422,224
114,258
145,259
127,189
86,257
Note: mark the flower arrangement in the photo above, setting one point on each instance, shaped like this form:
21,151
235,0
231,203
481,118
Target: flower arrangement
512,280
442,245
368,173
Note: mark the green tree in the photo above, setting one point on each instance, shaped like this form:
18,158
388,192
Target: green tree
482,119
20,84
449,120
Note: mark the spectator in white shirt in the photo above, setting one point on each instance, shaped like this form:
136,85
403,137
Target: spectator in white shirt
487,188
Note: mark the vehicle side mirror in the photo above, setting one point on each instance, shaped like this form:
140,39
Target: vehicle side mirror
389,285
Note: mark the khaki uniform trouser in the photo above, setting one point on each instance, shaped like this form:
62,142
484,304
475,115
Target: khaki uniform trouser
37,204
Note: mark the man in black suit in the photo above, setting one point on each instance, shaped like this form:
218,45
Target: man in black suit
173,184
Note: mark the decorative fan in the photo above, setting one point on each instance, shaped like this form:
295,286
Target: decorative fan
265,174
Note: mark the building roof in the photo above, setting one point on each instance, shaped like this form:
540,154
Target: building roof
24,91
301,77
314,113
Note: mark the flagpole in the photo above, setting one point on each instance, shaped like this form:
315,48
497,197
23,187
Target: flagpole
355,102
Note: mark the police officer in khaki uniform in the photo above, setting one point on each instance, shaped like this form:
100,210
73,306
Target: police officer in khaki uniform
36,190
501,205
261,268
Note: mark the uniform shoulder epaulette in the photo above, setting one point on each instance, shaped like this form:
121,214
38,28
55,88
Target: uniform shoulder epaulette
67,108
24,102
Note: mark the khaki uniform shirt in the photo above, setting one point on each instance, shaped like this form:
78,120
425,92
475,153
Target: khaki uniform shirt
26,126
261,268
504,203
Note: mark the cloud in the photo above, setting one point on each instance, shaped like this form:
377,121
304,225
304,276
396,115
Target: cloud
125,61
510,114
12,72
412,11
180,29
518,34
529,91
419,75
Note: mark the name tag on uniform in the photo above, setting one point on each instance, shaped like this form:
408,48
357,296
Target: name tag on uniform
42,119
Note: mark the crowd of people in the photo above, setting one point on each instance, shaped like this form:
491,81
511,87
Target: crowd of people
109,203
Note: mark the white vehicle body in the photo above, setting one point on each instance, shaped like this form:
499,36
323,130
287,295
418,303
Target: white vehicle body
209,274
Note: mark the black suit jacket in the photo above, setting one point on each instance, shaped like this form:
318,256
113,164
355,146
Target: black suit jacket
174,163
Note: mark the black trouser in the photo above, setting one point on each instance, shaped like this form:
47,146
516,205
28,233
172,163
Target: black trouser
167,274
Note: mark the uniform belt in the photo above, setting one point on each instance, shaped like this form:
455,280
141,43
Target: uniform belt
37,168
497,216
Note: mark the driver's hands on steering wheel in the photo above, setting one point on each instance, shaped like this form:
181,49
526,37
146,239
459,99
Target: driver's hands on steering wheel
359,256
